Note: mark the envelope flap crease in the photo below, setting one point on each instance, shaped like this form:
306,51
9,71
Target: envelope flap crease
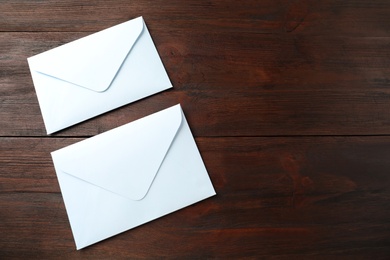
93,61
126,159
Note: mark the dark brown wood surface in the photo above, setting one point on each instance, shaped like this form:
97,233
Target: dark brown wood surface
288,100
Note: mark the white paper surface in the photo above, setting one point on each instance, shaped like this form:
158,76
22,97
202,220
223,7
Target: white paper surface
97,73
130,175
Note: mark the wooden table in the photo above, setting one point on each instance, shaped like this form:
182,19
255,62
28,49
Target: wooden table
289,103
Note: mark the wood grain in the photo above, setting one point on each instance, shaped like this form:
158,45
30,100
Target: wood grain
276,196
254,85
289,104
334,17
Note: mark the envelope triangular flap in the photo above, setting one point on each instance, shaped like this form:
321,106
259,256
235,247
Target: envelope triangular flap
126,159
91,62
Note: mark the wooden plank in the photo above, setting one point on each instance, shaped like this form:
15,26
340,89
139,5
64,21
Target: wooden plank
294,113
230,85
286,197
336,17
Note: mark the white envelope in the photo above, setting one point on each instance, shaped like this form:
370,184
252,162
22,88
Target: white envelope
130,175
97,73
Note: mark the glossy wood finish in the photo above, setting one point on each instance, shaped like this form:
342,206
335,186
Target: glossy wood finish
288,101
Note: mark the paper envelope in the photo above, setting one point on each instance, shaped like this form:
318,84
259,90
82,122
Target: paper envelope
130,175
97,73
